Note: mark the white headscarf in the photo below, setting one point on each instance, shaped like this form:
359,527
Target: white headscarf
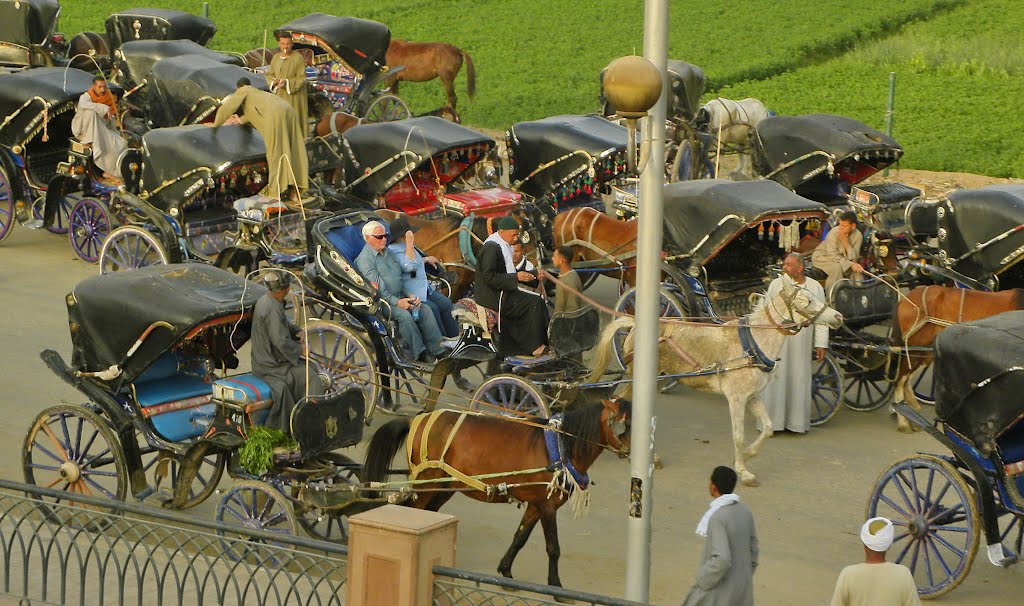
506,251
880,540
718,503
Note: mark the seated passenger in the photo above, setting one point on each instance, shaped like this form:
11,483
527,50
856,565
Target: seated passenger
414,274
838,253
277,354
95,125
379,265
522,317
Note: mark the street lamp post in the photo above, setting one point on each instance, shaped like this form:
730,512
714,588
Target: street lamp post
633,86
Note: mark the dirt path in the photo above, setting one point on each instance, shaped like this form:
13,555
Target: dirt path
935,184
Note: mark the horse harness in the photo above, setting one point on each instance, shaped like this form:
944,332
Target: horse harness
749,344
921,322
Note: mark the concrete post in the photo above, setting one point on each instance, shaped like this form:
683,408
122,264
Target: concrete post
391,553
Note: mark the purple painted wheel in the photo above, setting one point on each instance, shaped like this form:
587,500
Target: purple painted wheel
61,221
89,225
6,205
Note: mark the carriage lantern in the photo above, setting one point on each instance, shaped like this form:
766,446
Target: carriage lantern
632,85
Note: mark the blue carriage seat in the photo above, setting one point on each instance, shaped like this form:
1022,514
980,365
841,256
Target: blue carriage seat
248,391
1011,443
348,240
174,394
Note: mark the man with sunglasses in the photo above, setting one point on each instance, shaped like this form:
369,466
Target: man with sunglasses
378,265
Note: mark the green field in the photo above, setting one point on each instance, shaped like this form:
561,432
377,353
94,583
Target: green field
958,61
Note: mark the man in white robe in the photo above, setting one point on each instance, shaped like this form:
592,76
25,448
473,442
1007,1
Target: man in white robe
788,396
95,125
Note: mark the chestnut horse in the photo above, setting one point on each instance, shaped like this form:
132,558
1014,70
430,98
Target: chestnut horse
928,310
596,236
425,61
460,446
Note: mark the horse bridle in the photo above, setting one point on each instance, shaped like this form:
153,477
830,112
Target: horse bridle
615,425
793,327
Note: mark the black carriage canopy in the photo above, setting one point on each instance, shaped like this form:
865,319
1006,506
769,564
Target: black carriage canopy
361,43
979,376
137,58
22,96
180,83
978,216
576,142
703,216
107,314
26,22
785,148
392,150
170,155
686,82
157,24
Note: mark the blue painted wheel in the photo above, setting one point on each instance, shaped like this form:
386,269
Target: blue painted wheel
935,518
510,395
827,387
130,247
683,163
922,381
6,205
88,226
254,505
61,221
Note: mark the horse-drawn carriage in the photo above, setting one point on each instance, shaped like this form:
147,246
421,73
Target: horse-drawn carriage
28,33
346,66
940,504
157,24
421,167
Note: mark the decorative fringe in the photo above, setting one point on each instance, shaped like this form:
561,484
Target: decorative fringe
576,497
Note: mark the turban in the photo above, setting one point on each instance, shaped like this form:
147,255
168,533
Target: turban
877,534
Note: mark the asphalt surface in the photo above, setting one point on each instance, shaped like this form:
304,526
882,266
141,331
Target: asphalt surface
808,508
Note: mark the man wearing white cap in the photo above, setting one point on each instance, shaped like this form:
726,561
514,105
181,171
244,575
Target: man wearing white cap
876,582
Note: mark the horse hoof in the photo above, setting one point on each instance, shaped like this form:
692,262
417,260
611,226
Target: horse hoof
904,429
749,479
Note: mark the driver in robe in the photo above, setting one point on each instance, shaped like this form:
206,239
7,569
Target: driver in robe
276,121
277,353
838,253
522,317
95,125
787,396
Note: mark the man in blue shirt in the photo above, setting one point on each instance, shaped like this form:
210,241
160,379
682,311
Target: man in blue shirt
378,265
414,274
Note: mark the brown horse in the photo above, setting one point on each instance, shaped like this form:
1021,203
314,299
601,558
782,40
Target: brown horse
425,61
596,236
927,311
450,444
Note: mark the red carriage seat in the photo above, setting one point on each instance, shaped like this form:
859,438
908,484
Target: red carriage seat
489,202
247,391
413,197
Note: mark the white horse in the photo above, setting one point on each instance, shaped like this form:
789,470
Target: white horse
732,123
732,359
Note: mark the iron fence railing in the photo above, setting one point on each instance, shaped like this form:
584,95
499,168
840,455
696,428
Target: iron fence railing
97,551
455,587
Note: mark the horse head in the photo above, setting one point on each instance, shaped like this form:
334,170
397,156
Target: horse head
617,416
797,301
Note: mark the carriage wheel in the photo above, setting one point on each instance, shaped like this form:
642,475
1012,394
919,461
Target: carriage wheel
6,204
922,381
507,395
130,247
387,108
827,388
165,469
671,307
254,505
1011,533
936,521
682,166
343,359
61,221
88,226
866,392
329,525
302,309
73,449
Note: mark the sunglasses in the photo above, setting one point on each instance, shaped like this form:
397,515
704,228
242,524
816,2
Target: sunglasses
380,237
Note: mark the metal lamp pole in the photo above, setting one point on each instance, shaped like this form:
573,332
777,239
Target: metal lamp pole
645,356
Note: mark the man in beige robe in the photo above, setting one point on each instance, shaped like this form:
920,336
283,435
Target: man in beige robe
286,77
275,120
838,253
94,125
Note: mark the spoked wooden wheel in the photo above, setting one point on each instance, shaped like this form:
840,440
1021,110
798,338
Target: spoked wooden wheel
73,449
922,381
936,521
88,226
61,221
343,360
670,306
510,395
387,108
7,217
827,388
254,505
165,470
330,525
130,247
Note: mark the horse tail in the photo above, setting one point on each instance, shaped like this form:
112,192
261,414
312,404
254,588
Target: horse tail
470,74
382,449
603,351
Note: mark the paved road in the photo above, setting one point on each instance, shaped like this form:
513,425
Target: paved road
808,508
